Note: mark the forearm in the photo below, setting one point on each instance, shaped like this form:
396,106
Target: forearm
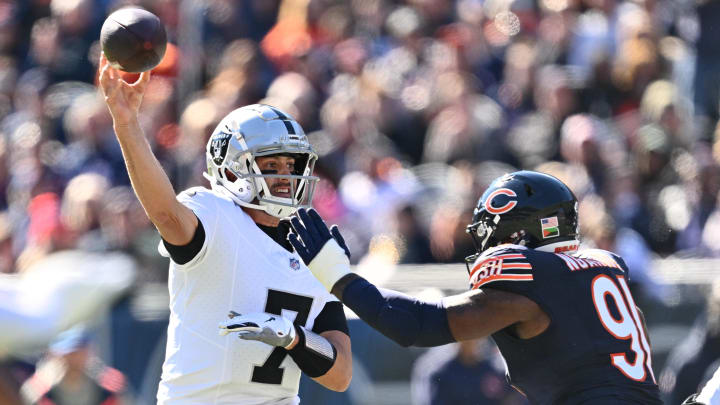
174,221
404,319
148,178
339,376
326,358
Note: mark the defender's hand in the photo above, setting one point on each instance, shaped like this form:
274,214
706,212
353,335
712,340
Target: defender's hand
123,99
324,251
267,328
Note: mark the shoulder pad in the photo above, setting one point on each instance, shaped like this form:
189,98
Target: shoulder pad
201,197
502,249
609,259
502,263
194,191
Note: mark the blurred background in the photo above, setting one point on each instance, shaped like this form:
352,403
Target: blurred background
414,106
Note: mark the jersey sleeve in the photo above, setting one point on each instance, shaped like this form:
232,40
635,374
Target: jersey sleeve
332,317
204,205
185,253
507,270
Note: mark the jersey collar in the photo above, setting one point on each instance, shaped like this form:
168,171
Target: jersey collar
568,246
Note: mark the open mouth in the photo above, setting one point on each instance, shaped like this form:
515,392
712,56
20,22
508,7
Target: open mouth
281,191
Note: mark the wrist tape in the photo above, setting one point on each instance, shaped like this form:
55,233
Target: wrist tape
314,354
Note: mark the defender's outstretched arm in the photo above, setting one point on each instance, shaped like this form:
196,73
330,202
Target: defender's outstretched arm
405,319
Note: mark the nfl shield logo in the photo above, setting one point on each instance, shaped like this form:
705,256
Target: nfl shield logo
294,264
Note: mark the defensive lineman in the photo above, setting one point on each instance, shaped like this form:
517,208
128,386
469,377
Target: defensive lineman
564,321
229,254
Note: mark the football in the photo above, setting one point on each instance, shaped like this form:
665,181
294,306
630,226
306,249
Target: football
133,40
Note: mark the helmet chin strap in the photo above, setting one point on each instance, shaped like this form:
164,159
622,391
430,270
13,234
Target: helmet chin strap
568,246
277,210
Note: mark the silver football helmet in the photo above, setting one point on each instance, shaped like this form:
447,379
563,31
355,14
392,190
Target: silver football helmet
251,132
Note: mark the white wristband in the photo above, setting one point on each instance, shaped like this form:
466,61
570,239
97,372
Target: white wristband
330,264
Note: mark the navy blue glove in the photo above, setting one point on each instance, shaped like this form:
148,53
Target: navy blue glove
323,251
310,233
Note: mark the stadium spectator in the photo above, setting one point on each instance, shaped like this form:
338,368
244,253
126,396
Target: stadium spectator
469,372
72,375
602,232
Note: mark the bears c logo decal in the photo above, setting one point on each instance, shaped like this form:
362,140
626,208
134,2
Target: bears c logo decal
505,208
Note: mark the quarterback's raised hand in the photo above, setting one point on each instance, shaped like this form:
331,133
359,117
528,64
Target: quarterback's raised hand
123,99
267,328
324,251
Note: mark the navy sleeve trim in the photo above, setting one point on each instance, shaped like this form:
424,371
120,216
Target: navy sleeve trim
183,254
332,317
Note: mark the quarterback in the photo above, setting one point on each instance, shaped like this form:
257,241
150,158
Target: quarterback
229,254
564,320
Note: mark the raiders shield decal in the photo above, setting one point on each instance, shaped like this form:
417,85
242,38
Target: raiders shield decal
219,146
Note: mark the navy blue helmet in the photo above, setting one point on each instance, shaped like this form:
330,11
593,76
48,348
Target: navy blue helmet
525,208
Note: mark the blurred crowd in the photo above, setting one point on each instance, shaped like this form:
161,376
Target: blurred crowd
414,106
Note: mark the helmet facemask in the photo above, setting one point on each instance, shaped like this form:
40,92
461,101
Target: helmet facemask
302,185
249,187
483,232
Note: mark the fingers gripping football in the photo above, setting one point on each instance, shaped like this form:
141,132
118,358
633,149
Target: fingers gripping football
260,326
123,99
324,251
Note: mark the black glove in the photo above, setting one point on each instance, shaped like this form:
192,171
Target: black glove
310,233
323,251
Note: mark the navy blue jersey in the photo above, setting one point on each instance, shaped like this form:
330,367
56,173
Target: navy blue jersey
595,350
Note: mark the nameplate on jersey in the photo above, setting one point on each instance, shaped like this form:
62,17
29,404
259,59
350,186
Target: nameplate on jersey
583,262
503,267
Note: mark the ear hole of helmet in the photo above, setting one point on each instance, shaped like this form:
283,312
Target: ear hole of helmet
230,176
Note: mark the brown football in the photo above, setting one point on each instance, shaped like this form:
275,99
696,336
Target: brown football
133,40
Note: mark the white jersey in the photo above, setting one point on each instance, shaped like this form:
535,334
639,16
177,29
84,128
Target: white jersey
239,268
710,394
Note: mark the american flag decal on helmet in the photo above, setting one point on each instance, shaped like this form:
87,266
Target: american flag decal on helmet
549,227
